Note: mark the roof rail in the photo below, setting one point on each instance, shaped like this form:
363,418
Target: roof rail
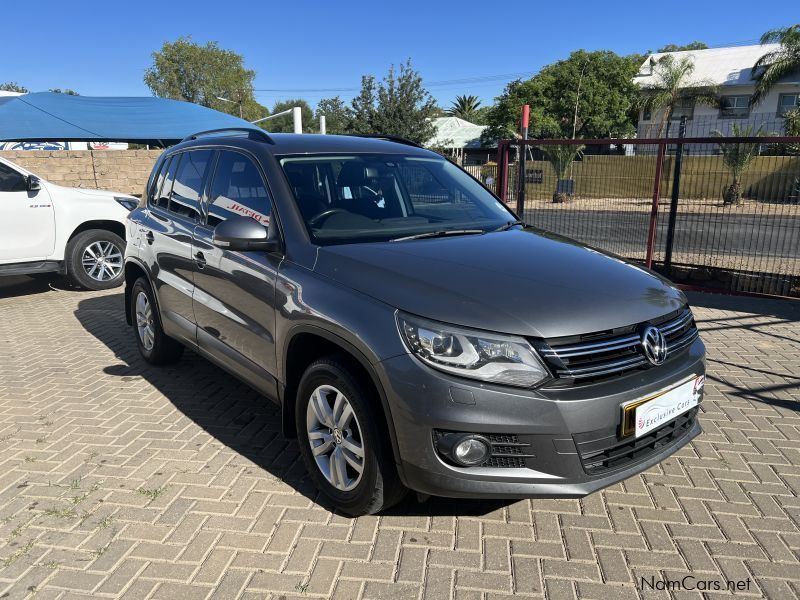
390,138
252,133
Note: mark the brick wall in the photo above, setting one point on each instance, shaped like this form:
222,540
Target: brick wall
117,170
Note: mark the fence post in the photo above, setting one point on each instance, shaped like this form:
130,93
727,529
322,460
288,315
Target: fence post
651,234
673,207
521,175
502,170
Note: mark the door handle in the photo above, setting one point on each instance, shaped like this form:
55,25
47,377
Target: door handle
200,259
150,237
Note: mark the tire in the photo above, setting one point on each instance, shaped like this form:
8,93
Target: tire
154,345
377,486
94,260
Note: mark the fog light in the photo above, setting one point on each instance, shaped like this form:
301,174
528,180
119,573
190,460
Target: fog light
465,449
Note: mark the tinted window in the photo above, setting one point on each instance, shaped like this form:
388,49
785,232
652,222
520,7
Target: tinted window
238,189
156,181
11,180
164,183
188,185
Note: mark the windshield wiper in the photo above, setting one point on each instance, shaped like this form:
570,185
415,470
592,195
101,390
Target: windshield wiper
440,233
509,225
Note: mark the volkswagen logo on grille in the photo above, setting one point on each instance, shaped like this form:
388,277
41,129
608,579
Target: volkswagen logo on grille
654,345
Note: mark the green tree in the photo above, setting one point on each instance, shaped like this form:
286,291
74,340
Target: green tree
465,107
285,124
775,65
184,70
600,83
13,86
399,105
791,124
679,48
560,157
67,91
673,82
337,114
737,158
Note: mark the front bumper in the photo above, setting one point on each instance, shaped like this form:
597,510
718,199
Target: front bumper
560,426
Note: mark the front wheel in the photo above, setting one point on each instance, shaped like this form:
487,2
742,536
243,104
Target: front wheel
95,259
340,441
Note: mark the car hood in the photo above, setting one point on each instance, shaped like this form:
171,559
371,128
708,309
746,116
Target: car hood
524,282
102,193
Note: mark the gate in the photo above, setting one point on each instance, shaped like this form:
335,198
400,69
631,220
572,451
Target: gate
671,204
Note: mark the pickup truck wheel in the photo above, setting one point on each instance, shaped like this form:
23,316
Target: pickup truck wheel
154,345
340,441
95,259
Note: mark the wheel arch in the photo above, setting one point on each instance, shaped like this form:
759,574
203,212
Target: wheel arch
103,224
133,270
307,343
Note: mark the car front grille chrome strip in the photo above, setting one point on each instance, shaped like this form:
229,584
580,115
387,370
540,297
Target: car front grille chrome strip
613,355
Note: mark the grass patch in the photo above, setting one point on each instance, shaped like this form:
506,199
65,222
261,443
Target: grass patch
301,587
152,493
61,513
10,560
105,522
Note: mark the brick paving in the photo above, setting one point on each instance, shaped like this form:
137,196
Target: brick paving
119,479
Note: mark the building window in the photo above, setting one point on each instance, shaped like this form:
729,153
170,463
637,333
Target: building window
684,107
734,107
787,102
647,114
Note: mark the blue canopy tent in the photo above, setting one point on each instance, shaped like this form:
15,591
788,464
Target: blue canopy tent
47,116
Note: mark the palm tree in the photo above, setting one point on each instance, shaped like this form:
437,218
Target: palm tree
773,66
737,158
560,157
464,107
673,83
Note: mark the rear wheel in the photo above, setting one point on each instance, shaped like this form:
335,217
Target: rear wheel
154,345
341,442
95,259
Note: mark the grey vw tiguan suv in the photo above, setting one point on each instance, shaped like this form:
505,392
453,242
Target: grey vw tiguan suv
413,331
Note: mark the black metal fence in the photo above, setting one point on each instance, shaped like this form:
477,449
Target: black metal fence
720,213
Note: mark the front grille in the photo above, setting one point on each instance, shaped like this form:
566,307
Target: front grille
507,451
598,356
604,454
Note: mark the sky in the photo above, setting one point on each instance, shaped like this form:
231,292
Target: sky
304,48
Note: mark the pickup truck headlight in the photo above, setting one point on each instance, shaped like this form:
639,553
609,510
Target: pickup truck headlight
495,358
128,203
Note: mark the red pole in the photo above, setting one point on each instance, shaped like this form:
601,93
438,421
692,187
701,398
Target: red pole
651,234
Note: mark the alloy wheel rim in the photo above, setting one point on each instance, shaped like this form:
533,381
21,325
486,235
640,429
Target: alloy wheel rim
144,321
335,437
102,261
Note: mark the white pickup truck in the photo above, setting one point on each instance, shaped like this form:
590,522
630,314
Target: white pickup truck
45,228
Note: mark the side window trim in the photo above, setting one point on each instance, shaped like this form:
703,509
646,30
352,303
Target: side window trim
205,199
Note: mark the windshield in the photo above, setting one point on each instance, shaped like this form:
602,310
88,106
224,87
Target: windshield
379,197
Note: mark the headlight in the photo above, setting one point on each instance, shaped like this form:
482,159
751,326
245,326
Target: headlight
128,203
496,358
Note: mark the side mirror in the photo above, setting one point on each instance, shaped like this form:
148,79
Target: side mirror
244,233
33,183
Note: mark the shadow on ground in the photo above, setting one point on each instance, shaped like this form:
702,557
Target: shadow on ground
762,319
230,411
15,286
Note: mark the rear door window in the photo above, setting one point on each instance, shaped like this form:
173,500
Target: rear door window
164,182
238,190
188,186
